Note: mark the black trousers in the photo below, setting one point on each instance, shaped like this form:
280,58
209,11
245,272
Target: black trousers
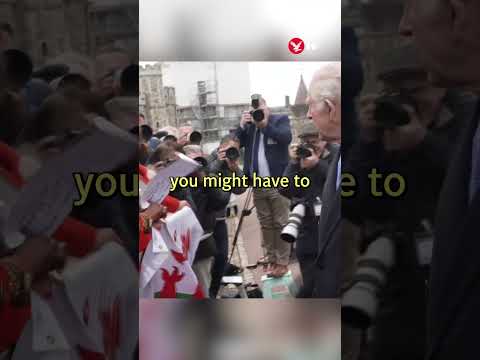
307,263
220,234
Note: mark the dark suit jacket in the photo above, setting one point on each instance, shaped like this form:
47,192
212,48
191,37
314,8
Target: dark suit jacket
454,308
276,136
327,272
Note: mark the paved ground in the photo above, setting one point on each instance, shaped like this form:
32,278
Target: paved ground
249,249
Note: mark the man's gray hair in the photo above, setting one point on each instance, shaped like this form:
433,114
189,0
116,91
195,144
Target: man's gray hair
327,83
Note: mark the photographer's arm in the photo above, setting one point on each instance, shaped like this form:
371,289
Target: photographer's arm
217,199
215,167
434,151
237,190
242,134
363,157
279,130
292,169
318,175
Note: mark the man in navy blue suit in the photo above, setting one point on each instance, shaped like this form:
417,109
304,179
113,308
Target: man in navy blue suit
266,155
446,34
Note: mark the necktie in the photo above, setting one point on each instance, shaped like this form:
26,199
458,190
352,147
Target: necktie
256,145
475,175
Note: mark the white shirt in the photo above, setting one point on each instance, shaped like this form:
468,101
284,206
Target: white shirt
475,176
263,169
339,172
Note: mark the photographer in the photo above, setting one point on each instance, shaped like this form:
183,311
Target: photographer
208,202
225,161
410,130
265,138
309,159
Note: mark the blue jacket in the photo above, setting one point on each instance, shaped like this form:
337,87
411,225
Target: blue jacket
277,136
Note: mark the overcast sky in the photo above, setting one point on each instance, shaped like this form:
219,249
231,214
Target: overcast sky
274,80
246,30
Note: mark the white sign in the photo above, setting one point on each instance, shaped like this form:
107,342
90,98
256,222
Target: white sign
93,308
159,186
46,200
170,275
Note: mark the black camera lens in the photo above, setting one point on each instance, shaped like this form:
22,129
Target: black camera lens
389,111
303,152
258,115
232,153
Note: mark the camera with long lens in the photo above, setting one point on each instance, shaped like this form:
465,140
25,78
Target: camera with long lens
304,151
232,154
295,219
360,302
257,114
390,112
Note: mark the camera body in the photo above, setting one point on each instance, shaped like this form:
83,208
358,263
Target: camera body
304,151
257,114
389,111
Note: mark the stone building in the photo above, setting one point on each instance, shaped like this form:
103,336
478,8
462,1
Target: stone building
216,120
376,25
47,29
157,102
114,22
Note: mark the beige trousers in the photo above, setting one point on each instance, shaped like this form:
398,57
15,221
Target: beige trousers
272,212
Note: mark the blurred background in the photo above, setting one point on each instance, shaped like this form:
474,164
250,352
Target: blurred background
254,330
376,26
239,31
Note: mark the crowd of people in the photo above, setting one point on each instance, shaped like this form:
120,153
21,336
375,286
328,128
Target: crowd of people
266,142
412,281
395,261
46,110
43,111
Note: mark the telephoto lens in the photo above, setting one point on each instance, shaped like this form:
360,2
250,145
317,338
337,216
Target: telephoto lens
290,231
232,153
360,301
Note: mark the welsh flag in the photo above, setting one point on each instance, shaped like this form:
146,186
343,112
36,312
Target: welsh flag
166,267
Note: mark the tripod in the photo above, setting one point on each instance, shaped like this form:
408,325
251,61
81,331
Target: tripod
245,212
